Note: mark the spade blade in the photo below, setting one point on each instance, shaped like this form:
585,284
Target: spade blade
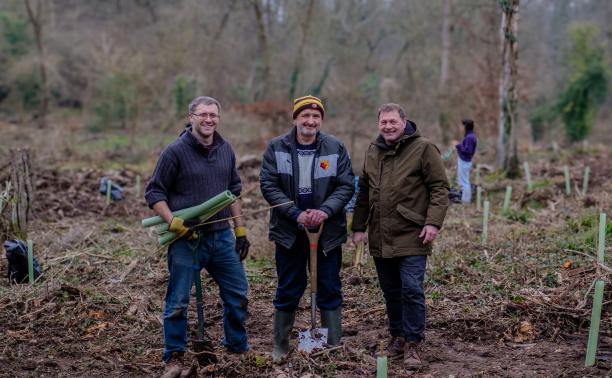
312,339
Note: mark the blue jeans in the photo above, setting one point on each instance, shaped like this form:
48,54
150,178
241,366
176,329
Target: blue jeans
401,281
292,278
216,253
463,179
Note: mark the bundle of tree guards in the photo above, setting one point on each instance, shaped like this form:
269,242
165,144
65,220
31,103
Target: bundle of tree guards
203,212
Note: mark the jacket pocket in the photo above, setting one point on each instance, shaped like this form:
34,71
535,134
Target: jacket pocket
410,215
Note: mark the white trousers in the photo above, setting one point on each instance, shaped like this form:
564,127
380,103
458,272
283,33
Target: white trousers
463,179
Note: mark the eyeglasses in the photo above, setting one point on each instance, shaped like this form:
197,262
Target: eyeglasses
212,116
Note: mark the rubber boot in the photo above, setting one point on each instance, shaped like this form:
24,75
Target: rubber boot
283,323
332,320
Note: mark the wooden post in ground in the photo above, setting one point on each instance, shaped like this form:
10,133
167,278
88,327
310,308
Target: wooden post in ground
568,188
485,223
585,180
478,197
507,199
477,174
528,176
30,262
597,297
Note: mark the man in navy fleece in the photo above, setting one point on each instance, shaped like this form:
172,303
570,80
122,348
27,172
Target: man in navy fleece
465,152
198,165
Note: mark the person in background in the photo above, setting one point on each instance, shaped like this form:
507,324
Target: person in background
465,153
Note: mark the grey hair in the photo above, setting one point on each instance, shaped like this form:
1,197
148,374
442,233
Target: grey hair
203,100
391,107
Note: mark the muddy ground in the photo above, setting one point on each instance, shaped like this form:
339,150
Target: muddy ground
516,306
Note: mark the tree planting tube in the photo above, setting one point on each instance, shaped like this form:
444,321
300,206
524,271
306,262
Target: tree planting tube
191,212
163,228
169,236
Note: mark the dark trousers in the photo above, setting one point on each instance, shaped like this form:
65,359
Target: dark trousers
401,281
291,266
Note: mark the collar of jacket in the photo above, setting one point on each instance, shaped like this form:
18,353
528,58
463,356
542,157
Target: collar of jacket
468,132
290,139
195,143
410,132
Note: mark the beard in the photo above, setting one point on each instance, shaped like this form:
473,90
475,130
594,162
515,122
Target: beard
307,132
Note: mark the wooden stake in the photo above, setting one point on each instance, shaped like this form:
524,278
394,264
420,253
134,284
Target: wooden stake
597,297
478,174
507,199
485,222
30,263
568,188
108,191
478,197
585,180
528,176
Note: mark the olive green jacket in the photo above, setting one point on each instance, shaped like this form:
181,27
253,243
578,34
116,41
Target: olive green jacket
402,188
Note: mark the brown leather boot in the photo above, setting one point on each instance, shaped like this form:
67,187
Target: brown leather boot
174,366
395,346
412,360
177,367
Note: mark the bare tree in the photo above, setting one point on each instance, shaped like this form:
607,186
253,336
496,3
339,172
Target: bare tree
443,121
36,19
262,37
507,155
299,57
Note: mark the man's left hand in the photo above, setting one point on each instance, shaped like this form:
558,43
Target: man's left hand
242,247
429,233
317,217
242,243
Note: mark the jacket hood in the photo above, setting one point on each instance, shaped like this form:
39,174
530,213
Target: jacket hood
410,131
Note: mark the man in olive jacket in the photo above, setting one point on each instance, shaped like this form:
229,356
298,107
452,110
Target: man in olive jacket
402,202
313,170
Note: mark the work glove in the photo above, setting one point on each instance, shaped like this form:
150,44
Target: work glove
242,243
181,228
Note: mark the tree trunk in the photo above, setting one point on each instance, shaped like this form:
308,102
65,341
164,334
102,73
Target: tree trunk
262,38
507,155
443,96
36,19
23,193
299,58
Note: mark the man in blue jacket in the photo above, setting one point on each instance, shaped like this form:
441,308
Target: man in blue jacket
465,153
312,169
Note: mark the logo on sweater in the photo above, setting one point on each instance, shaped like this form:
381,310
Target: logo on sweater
324,164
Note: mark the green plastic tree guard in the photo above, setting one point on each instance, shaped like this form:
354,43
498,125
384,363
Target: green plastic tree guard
507,199
30,262
381,367
597,297
585,180
568,187
485,222
192,212
528,176
108,191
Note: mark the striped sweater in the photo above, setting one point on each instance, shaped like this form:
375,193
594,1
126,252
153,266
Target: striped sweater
189,173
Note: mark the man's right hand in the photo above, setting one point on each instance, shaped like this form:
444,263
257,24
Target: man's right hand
179,227
359,237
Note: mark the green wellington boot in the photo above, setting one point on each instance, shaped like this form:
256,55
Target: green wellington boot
332,320
283,323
